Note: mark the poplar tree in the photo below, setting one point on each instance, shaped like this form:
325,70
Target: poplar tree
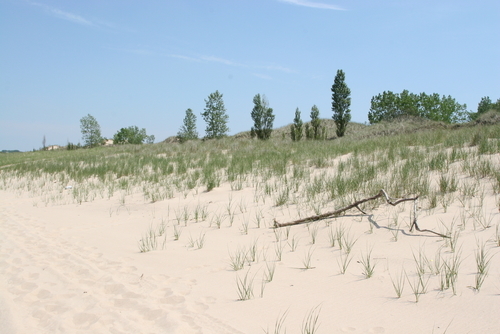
263,118
296,129
188,129
215,116
341,101
315,132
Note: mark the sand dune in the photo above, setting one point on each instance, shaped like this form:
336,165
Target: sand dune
77,269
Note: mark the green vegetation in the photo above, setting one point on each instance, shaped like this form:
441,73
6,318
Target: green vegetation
188,129
215,116
341,101
310,323
296,131
244,287
263,118
314,130
484,106
91,131
367,264
387,106
132,135
448,166
280,170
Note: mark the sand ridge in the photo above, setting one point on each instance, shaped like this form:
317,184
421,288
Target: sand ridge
77,269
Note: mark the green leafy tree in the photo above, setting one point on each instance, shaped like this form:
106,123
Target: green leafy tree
188,129
263,118
91,131
484,106
296,128
409,103
383,106
215,116
132,135
387,106
315,122
448,109
341,101
308,131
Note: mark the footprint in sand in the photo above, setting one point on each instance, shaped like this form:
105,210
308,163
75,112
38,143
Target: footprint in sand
43,294
28,286
149,314
114,288
173,300
126,303
34,276
200,307
84,273
56,308
87,319
129,269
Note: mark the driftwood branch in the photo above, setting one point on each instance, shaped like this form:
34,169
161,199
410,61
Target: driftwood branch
382,193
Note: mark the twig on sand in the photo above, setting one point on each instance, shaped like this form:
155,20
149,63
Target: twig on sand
339,212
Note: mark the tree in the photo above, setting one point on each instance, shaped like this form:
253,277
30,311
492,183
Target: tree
387,106
263,118
484,106
309,131
91,131
383,106
215,116
188,129
448,110
314,131
296,129
132,135
341,101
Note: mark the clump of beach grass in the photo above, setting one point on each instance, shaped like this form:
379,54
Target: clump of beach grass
310,324
483,259
278,325
399,283
244,286
368,264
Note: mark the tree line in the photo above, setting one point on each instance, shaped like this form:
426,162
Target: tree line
91,134
263,117
384,107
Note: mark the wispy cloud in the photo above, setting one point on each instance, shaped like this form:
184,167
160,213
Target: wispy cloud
71,17
142,52
184,57
262,76
311,4
227,62
278,68
222,61
78,19
64,15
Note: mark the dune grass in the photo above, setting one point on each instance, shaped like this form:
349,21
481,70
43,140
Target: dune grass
443,165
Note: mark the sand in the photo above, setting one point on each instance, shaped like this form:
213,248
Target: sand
76,268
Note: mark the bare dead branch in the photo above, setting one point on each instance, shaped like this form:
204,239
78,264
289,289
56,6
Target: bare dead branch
382,193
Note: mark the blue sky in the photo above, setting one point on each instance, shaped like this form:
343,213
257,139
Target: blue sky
144,63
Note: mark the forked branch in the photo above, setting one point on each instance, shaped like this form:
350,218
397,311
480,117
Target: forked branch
336,213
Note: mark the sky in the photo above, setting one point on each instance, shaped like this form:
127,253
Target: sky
144,63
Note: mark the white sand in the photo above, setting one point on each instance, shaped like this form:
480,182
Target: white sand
77,269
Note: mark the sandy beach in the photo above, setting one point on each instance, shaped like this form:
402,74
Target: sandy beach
77,268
